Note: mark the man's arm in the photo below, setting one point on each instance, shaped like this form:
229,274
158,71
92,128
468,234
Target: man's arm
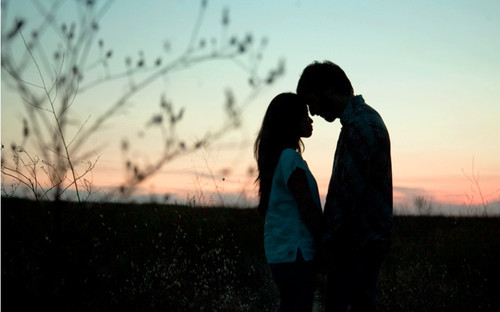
308,210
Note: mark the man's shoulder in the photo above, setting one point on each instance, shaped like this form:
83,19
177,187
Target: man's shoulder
365,115
367,126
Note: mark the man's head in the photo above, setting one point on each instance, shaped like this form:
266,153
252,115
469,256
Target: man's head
325,87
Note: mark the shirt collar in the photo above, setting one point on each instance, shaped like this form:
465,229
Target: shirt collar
350,107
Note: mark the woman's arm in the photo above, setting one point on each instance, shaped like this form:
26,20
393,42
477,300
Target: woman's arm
308,210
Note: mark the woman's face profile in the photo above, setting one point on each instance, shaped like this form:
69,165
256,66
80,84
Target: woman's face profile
306,127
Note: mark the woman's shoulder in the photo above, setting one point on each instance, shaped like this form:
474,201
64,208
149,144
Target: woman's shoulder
290,153
291,156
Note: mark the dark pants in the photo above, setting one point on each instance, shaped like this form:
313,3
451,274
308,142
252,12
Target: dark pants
295,281
351,284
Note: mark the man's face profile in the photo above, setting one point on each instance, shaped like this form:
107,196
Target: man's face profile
321,106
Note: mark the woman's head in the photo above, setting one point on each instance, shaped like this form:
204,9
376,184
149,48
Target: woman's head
285,122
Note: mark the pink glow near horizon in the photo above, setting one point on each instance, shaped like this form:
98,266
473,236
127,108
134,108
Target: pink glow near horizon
212,189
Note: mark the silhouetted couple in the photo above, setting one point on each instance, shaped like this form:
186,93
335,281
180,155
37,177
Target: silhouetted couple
348,241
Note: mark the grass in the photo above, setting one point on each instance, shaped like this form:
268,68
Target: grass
152,257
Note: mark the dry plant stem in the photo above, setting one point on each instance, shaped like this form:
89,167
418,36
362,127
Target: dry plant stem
89,169
187,59
182,62
128,187
70,74
56,118
476,188
31,185
216,184
31,181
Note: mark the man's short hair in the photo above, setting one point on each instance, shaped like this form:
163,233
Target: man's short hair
320,76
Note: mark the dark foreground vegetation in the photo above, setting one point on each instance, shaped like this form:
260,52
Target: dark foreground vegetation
113,257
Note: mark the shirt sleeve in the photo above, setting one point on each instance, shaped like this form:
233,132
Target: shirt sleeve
290,160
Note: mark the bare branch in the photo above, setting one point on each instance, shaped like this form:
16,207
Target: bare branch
61,77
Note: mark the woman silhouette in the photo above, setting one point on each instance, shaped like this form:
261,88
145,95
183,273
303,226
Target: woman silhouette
289,200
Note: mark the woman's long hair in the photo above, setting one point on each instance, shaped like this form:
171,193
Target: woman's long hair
280,129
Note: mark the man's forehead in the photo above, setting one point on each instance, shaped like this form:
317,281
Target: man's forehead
312,98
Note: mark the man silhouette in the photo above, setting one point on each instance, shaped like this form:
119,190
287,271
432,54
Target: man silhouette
358,207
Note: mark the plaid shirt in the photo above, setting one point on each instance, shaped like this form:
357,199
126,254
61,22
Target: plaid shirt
358,206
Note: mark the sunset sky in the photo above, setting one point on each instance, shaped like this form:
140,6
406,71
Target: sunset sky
430,68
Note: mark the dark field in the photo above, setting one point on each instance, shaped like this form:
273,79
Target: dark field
112,257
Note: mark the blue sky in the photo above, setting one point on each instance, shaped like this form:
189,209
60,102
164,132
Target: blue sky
429,67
